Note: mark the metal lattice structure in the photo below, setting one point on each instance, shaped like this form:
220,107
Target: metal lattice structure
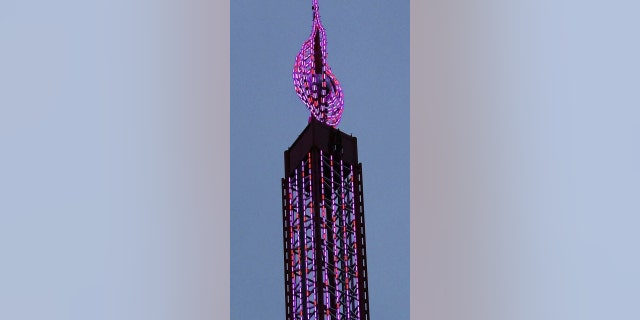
313,80
325,267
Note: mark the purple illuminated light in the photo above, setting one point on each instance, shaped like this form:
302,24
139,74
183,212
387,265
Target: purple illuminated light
313,80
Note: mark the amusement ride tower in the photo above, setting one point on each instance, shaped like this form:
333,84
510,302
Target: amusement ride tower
325,265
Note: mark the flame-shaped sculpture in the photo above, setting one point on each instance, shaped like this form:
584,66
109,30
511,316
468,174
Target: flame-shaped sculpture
315,84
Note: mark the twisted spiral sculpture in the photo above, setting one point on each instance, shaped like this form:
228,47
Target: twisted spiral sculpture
313,80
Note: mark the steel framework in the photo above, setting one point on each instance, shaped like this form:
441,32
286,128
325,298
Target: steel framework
325,267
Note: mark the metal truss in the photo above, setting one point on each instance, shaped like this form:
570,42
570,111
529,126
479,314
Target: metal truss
324,240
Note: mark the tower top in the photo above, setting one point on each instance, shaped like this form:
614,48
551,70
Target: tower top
315,84
318,135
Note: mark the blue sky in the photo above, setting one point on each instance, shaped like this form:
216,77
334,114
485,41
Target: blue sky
108,173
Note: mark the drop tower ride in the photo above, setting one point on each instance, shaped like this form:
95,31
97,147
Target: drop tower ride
325,265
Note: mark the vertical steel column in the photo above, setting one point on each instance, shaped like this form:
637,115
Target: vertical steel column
362,251
316,195
303,242
287,230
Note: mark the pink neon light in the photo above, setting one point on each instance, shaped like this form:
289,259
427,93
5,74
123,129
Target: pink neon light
315,84
335,243
325,240
344,241
311,288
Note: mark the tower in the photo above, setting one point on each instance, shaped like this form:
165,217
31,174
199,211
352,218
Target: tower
325,266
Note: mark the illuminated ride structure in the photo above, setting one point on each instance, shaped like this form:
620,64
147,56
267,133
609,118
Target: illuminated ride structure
313,80
325,265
